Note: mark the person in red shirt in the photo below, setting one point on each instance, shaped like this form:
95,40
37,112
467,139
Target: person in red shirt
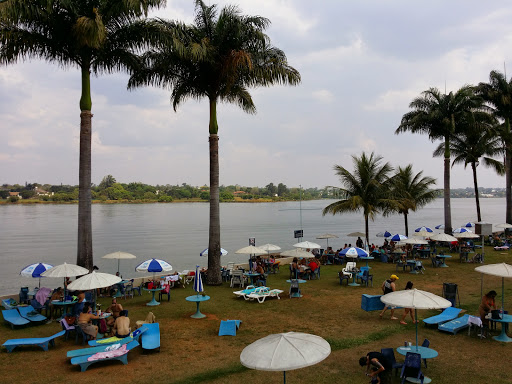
313,265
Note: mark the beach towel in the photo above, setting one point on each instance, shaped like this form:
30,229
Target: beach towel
42,295
109,354
109,340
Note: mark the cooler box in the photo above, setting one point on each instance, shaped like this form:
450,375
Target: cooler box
371,303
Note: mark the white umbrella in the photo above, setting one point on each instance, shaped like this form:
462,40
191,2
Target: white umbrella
285,352
356,234
384,234
501,270
462,230
154,265
297,252
398,237
223,252
327,236
422,233
443,237
307,245
417,299
65,270
415,240
504,225
119,255
466,235
270,247
93,281
354,252
251,250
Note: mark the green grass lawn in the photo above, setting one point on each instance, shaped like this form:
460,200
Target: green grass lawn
191,351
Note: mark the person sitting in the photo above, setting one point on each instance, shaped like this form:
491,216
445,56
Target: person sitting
313,266
115,309
57,295
488,303
85,322
294,268
121,327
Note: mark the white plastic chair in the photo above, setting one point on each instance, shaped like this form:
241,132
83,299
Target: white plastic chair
237,277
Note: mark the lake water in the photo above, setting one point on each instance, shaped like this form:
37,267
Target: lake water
178,232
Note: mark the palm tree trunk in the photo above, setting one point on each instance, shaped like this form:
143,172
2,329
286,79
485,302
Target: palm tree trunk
508,175
447,202
477,197
84,256
366,229
406,222
214,265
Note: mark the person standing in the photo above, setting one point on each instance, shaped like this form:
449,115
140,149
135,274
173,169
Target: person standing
408,310
389,286
488,303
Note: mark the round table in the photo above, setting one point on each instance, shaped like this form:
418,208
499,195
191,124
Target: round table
443,258
300,281
252,276
426,353
367,258
197,299
64,304
503,335
153,302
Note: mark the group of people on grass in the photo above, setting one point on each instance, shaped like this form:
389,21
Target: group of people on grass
118,321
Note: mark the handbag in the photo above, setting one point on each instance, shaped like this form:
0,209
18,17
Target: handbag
70,320
495,314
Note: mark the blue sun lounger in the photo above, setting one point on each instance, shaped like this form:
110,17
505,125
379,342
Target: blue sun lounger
42,342
28,312
448,314
150,339
115,340
9,303
13,317
454,326
99,348
84,363
228,327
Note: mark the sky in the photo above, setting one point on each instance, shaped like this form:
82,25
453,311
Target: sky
361,64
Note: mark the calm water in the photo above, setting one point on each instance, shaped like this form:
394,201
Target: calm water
179,232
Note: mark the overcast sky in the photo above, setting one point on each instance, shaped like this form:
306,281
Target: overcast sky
361,62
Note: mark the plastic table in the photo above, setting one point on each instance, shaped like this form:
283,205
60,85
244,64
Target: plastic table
153,291
197,299
367,258
426,353
252,276
443,258
64,304
300,281
503,335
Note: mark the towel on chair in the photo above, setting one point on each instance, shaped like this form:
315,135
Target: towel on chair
42,295
108,354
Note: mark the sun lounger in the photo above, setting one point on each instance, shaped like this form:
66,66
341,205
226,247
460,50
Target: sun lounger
113,340
246,291
502,248
13,317
150,339
262,293
448,314
9,303
454,326
42,342
99,348
28,312
84,363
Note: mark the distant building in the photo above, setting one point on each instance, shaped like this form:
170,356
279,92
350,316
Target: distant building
17,194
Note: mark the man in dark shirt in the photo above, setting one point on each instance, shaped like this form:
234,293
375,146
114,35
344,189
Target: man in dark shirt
377,365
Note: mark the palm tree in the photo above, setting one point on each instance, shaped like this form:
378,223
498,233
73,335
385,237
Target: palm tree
218,58
366,189
477,140
93,35
410,192
498,94
438,116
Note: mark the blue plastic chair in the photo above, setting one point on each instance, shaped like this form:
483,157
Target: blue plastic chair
13,317
412,367
42,342
426,344
227,328
150,339
23,295
389,354
366,277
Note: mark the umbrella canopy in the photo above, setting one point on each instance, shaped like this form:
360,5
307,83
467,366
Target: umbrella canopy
198,282
65,270
154,265
466,235
384,234
354,252
35,270
504,225
327,236
223,252
251,250
462,230
469,225
297,252
501,270
443,237
417,299
285,352
356,234
307,245
94,280
415,240
270,247
424,229
119,255
398,237
422,234
440,226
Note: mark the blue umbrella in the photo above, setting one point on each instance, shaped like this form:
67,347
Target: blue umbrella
383,234
423,229
469,225
461,230
398,237
154,265
223,252
440,226
198,282
35,270
354,252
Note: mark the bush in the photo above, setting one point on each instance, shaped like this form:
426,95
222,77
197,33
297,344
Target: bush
164,198
13,199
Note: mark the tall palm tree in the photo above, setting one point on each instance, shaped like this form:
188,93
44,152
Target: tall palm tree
498,94
93,35
438,116
477,140
219,57
366,189
409,192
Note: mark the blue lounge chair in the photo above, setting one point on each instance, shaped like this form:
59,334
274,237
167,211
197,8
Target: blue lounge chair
150,339
31,314
455,325
84,363
42,342
98,348
9,303
113,340
12,316
448,314
228,327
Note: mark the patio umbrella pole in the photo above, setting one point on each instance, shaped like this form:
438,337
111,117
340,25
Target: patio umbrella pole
502,293
118,260
284,377
416,316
